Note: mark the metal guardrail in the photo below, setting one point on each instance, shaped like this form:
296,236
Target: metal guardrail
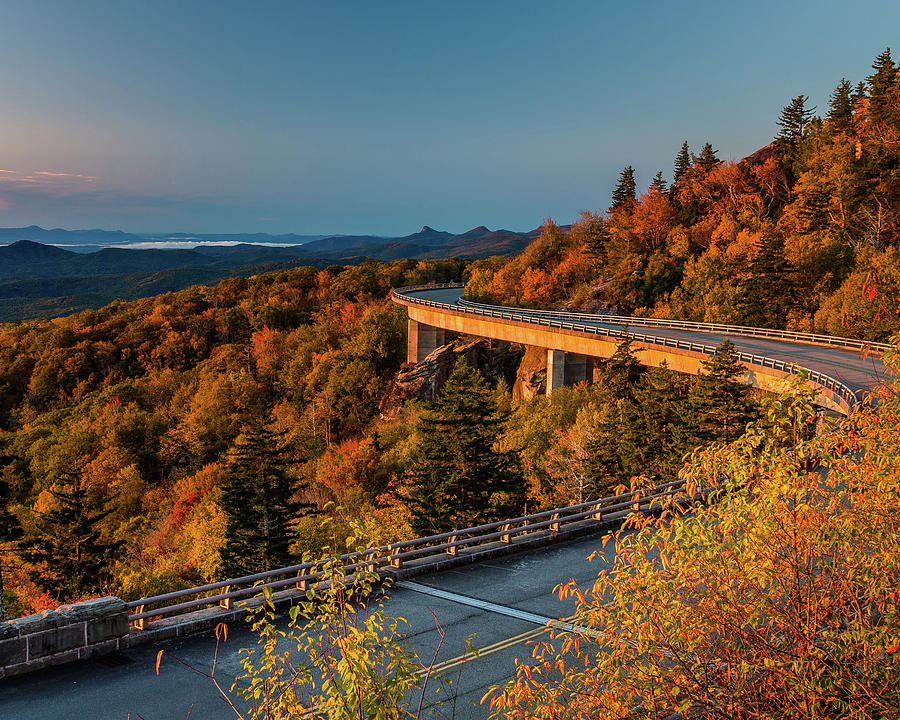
842,391
385,557
810,338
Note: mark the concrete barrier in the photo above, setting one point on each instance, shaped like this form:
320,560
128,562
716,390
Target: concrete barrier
71,632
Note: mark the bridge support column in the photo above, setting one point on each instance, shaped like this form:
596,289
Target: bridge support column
567,369
556,370
422,341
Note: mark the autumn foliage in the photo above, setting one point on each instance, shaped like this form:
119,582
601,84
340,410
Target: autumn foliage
778,598
824,197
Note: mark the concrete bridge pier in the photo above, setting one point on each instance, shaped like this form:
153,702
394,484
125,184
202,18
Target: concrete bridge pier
567,369
422,341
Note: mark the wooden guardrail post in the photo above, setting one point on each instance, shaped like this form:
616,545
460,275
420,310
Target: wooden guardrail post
226,603
302,582
505,534
394,556
141,623
598,511
554,522
452,550
370,561
636,506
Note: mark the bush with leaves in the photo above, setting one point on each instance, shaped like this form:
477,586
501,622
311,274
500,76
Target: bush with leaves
341,657
778,599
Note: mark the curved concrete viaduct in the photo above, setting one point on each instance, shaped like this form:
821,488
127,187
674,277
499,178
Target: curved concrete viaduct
840,370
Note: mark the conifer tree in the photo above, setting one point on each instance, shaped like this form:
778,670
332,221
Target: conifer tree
457,478
661,427
625,193
840,107
603,461
708,158
767,292
722,402
616,394
259,506
682,162
883,86
66,544
623,370
591,230
793,121
658,184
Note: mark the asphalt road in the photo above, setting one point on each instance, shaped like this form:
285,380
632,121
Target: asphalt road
845,365
500,604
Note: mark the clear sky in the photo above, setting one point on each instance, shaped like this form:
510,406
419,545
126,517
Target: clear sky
381,116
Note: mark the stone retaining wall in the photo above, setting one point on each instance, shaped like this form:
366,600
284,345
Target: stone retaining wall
69,633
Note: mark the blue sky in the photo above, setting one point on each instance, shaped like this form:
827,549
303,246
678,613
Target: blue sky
380,117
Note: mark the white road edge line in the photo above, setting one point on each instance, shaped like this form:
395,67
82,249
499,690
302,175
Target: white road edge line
512,612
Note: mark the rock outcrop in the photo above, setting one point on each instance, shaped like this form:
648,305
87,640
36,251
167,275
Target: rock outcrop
424,380
531,377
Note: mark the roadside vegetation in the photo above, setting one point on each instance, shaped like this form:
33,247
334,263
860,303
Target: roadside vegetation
778,598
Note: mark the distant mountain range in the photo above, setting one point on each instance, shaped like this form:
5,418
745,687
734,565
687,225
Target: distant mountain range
46,273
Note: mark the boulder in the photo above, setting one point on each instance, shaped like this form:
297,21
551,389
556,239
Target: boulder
424,380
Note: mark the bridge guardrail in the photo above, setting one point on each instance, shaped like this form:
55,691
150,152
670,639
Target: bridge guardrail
811,338
843,391
395,555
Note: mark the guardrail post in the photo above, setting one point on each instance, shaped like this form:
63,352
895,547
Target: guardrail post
452,550
554,522
598,511
141,623
394,556
370,561
636,506
505,534
226,603
302,582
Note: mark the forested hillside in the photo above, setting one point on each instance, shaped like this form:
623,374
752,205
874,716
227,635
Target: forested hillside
223,430
802,234
165,442
119,424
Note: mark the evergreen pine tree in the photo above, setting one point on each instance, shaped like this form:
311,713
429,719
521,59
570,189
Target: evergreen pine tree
658,184
682,162
840,107
258,504
661,428
767,292
615,396
457,478
884,86
722,403
603,461
624,195
793,121
623,370
66,545
859,93
595,235
708,158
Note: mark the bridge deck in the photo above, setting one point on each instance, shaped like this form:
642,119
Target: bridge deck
845,365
